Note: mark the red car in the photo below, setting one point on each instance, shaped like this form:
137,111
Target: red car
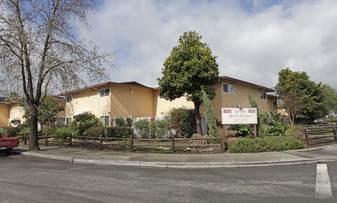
7,144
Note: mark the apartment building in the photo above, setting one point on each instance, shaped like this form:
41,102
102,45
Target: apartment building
111,100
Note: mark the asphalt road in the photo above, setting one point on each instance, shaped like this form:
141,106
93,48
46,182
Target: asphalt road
25,179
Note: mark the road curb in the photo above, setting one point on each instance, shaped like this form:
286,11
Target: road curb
47,156
203,165
183,165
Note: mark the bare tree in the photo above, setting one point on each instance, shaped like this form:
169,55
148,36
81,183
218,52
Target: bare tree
293,105
39,50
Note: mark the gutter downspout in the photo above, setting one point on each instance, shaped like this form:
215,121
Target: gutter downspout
234,97
131,102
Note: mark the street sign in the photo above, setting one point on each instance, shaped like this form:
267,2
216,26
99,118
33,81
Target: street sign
233,116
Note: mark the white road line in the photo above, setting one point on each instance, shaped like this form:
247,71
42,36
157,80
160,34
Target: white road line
323,186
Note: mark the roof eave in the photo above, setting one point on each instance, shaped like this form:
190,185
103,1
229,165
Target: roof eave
265,89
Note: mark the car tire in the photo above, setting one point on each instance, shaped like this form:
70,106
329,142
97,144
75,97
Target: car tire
8,151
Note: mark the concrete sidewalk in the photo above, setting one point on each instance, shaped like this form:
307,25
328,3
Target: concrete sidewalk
223,160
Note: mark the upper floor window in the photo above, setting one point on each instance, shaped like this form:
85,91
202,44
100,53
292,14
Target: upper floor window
228,88
263,95
104,92
69,99
274,102
162,95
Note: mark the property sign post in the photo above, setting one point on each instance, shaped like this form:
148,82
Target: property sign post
234,116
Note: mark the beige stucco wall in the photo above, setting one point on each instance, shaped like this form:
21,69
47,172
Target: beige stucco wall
116,105
61,113
126,105
4,115
88,101
163,106
239,97
16,112
270,106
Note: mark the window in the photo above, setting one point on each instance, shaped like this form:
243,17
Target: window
69,120
105,120
69,99
263,95
104,92
274,102
162,95
227,88
60,121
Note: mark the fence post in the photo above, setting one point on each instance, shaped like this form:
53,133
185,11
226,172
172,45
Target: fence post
221,144
173,144
306,137
131,142
335,133
71,140
100,142
46,139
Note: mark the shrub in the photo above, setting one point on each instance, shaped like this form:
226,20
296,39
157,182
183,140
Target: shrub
48,131
119,131
242,130
123,122
24,131
182,121
295,132
95,131
8,131
159,128
277,130
82,123
4,132
143,128
122,128
20,127
62,133
275,143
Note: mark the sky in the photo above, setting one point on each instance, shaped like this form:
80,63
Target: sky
253,39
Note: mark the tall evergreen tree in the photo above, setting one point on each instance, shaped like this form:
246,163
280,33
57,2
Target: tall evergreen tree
209,113
189,69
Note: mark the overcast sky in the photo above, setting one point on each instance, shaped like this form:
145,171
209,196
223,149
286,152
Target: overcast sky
253,39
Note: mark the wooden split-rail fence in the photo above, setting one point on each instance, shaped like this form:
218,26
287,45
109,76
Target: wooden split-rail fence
320,134
173,143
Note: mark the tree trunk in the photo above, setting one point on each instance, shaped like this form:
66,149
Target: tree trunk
33,141
197,117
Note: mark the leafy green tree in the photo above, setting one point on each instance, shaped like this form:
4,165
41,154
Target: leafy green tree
47,109
211,121
330,100
189,69
300,95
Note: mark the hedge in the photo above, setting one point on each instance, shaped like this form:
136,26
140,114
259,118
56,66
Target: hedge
267,144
